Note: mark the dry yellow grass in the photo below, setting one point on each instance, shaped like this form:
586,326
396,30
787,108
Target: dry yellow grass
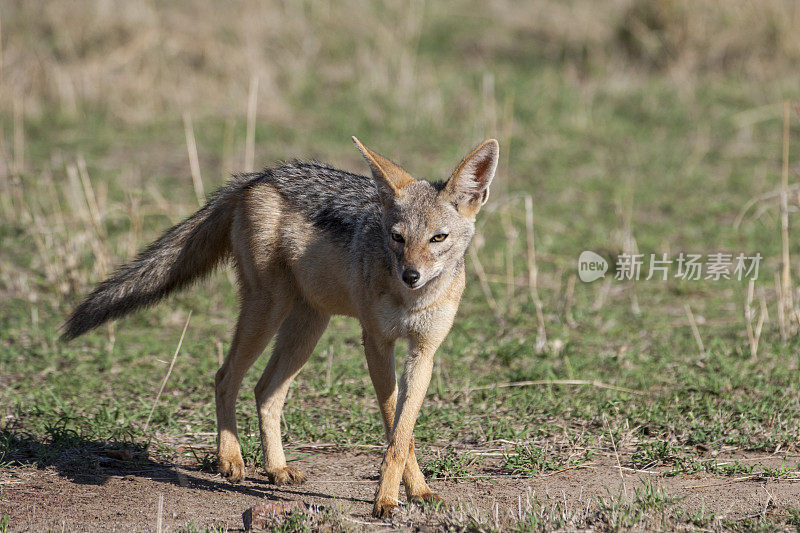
141,59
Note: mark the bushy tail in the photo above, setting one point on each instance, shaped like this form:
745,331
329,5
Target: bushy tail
184,253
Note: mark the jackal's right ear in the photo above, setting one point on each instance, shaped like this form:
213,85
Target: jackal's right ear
391,177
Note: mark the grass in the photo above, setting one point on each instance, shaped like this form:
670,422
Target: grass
206,461
648,503
621,142
529,460
794,518
649,507
448,464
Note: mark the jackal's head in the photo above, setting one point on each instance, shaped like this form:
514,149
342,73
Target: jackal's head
428,226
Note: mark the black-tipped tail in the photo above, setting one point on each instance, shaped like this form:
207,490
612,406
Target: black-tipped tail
184,253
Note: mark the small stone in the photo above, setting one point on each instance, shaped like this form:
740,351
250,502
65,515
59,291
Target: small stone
119,455
257,517
469,439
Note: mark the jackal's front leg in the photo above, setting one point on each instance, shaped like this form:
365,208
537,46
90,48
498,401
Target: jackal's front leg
413,386
380,360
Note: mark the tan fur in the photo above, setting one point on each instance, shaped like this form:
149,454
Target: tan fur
292,282
297,265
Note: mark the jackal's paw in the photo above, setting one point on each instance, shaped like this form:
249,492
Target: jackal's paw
384,508
427,498
288,475
233,469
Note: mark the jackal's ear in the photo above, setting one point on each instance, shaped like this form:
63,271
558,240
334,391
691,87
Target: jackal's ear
468,186
390,177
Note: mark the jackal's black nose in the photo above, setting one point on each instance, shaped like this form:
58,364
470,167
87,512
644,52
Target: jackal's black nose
410,276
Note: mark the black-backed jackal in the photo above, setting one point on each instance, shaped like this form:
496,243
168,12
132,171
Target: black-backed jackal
308,242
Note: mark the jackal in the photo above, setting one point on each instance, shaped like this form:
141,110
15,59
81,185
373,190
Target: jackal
309,241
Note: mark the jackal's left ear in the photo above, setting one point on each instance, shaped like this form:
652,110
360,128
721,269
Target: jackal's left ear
468,186
391,177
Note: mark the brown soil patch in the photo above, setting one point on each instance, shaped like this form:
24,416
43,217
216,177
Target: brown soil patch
124,495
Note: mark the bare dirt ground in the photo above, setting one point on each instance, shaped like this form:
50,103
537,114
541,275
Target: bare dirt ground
124,495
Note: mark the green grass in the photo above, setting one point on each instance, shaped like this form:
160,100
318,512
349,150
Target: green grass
607,154
449,464
648,502
794,518
527,459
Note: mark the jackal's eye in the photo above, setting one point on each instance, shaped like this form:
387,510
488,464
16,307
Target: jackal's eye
396,237
439,237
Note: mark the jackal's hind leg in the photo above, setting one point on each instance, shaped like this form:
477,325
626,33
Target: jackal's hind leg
296,340
258,321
